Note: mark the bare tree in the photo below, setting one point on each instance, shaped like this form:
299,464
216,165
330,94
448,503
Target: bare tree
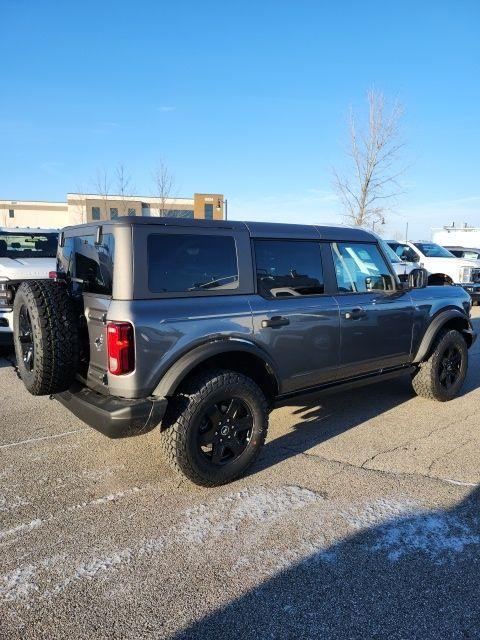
164,185
124,187
369,190
102,188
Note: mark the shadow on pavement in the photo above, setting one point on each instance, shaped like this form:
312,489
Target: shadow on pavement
324,416
416,576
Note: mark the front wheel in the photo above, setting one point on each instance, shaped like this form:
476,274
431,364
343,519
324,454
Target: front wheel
443,374
215,427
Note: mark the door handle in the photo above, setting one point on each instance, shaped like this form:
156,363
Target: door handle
355,314
276,321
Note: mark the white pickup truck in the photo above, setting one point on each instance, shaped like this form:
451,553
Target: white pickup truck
442,266
25,254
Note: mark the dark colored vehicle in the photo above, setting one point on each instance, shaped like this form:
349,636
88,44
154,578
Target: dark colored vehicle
201,327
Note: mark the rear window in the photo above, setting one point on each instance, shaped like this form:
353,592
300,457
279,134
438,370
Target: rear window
179,263
28,245
89,265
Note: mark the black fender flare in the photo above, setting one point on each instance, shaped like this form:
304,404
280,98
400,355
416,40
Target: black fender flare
177,371
434,327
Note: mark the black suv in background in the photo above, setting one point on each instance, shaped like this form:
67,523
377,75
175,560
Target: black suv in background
202,326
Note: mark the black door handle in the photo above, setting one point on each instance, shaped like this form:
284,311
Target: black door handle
355,314
276,321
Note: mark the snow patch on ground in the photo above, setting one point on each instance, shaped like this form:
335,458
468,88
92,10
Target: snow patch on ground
250,506
21,528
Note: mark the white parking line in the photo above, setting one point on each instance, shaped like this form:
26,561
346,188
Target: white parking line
30,440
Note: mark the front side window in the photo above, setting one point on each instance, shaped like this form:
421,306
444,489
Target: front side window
95,213
21,245
432,250
361,268
179,263
89,264
113,213
287,268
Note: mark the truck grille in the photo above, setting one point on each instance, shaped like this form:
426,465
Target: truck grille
5,296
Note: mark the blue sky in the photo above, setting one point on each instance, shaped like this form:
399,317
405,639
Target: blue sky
248,98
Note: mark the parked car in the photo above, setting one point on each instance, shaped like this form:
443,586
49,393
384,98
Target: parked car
25,254
203,326
443,267
402,268
463,252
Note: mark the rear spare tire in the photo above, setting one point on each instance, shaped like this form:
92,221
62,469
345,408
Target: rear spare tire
45,335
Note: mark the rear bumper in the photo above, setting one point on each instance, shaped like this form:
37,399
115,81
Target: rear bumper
114,417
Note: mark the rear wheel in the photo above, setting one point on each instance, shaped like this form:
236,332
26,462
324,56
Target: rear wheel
45,337
215,427
443,374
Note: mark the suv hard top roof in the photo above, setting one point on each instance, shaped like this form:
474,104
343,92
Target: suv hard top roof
255,229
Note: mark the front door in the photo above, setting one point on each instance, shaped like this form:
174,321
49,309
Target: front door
294,320
376,318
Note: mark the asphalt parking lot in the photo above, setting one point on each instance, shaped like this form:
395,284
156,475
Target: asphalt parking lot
360,520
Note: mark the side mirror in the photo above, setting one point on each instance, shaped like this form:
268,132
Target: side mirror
418,279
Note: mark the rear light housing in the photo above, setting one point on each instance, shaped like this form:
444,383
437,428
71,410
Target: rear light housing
121,348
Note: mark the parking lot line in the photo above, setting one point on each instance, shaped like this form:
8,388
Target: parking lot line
30,440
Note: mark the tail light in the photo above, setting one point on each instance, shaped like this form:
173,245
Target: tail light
121,348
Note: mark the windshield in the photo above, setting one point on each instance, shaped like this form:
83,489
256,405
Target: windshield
432,250
391,255
31,245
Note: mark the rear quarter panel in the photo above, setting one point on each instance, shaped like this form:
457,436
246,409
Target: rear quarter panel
165,329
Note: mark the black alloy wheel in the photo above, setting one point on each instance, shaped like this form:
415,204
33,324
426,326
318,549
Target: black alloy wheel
450,366
26,338
225,430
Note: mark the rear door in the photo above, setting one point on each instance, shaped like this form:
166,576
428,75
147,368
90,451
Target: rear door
295,318
376,318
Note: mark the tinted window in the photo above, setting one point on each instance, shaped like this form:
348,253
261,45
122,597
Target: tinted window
432,250
89,264
288,268
361,268
182,262
26,245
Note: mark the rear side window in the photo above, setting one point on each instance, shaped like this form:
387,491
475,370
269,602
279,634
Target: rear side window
287,268
360,268
88,265
179,263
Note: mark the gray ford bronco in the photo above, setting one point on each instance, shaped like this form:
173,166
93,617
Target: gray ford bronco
201,327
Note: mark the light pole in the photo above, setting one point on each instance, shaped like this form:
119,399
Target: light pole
381,220
219,206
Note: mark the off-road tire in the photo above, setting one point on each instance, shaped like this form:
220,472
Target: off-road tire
180,425
426,381
54,326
